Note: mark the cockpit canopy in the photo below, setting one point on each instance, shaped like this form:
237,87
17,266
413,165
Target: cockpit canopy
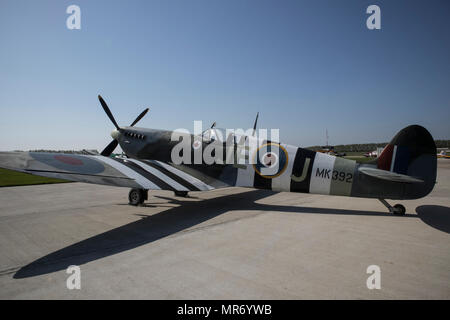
221,135
214,134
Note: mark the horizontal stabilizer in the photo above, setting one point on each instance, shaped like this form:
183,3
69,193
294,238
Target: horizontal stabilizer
388,175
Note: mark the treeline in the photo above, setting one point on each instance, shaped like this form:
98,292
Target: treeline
84,151
367,147
362,147
442,143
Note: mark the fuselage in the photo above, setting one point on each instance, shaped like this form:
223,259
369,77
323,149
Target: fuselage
297,170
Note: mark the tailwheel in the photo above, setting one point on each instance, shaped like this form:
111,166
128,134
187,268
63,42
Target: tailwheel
183,194
399,210
137,196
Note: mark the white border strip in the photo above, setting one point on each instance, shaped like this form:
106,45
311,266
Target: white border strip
283,182
141,180
394,153
323,163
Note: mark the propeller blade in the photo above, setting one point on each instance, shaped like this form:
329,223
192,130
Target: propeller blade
110,148
212,126
108,112
143,113
256,122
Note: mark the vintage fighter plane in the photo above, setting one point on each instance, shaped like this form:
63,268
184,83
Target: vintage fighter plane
406,169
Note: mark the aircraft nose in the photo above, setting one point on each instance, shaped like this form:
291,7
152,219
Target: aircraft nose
115,134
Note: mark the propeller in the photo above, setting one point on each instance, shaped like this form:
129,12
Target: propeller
113,145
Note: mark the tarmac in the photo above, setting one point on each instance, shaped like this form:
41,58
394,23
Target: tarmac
229,243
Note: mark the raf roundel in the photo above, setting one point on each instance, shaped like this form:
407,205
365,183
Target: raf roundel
69,160
72,163
197,144
270,160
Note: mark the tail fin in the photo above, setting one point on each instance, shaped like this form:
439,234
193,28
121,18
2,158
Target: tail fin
412,152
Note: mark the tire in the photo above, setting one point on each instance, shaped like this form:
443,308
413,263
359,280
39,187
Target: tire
136,197
399,210
181,193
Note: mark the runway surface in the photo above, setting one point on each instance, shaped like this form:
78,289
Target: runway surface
225,244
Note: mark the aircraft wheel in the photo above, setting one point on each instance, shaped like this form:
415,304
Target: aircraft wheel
181,194
136,197
399,210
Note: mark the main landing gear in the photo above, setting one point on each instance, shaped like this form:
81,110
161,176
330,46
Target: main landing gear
398,209
137,196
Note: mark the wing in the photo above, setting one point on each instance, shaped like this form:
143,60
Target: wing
388,175
120,172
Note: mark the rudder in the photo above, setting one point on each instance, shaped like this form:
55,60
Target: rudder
412,152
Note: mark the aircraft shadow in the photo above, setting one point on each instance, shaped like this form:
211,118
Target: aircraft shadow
154,227
437,217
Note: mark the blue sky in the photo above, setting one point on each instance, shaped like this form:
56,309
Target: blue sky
306,66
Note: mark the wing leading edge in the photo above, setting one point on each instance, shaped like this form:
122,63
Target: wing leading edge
120,172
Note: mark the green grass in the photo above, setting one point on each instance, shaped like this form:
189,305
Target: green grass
9,178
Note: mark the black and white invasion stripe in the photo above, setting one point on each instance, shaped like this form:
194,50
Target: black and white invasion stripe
156,175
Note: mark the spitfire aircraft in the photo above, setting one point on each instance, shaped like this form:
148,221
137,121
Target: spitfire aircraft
406,169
